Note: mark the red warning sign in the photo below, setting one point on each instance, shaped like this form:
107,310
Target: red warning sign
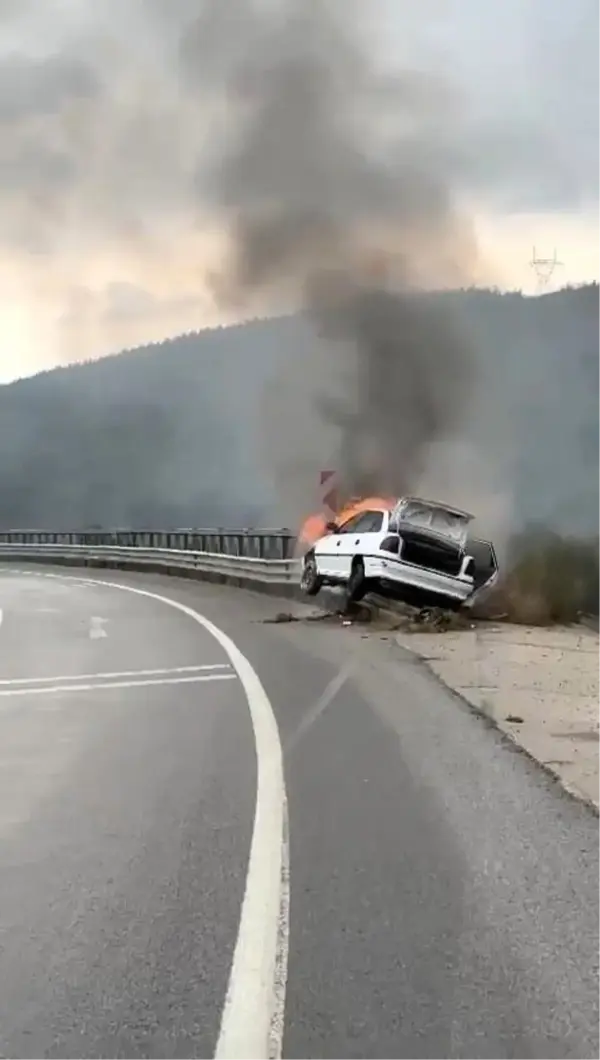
329,497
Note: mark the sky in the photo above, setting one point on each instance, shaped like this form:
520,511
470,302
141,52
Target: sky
113,116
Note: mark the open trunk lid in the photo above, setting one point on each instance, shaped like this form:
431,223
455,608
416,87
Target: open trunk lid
438,521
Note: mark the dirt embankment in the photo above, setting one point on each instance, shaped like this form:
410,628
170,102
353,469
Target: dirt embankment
528,655
548,579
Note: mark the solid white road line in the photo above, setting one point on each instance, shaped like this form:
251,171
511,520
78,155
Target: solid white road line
115,675
252,1018
40,690
281,957
1,616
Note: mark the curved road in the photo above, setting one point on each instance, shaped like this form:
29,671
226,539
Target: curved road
444,892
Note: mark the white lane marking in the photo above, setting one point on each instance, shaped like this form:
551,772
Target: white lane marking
97,627
281,957
1,616
115,675
325,699
252,1018
40,690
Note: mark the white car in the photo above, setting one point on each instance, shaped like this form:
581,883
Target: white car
419,551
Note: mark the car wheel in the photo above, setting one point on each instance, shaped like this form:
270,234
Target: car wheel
356,585
311,581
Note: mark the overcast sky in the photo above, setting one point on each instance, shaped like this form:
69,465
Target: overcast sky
112,113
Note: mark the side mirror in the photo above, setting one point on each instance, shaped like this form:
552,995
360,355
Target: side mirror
331,527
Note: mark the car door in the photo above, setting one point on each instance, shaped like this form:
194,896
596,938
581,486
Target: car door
325,550
370,534
359,536
339,546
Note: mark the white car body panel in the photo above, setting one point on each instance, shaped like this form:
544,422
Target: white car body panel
327,554
351,544
390,569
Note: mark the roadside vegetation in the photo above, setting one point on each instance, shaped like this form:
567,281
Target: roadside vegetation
549,579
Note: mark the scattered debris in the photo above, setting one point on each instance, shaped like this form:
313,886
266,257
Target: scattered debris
514,719
355,614
440,619
395,618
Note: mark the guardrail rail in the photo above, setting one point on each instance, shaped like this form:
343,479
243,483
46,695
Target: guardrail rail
260,556
265,558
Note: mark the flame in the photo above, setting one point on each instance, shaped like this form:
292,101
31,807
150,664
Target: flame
315,525
312,529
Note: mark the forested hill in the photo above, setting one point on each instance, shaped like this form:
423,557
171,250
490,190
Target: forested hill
167,434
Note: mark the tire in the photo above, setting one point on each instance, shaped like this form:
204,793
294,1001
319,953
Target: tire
311,582
356,586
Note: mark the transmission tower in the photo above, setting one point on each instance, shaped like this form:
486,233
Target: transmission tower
544,269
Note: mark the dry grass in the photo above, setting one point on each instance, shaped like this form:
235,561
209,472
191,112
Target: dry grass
550,579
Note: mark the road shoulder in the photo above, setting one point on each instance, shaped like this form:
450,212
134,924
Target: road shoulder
538,686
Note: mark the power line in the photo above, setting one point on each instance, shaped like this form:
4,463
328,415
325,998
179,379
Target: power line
544,268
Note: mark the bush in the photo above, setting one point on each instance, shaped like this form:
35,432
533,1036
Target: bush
549,579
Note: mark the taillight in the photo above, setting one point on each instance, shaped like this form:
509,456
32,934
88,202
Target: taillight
391,544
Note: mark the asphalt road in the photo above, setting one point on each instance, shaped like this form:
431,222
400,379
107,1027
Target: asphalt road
444,891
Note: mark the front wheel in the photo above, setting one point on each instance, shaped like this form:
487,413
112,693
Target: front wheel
311,582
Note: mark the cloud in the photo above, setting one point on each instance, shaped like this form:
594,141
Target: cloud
115,119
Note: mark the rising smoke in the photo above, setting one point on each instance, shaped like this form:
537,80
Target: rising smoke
134,135
335,198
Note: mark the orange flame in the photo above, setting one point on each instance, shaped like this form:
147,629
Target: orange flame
315,525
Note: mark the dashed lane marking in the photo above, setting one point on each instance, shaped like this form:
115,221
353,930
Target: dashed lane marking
39,690
114,676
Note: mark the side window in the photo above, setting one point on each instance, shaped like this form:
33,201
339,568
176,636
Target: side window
376,523
351,525
364,523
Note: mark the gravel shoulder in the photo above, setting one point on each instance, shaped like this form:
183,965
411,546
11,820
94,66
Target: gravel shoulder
540,686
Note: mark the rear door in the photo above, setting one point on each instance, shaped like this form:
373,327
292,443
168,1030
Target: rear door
336,547
359,536
486,562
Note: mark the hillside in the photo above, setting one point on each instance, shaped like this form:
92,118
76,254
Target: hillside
170,434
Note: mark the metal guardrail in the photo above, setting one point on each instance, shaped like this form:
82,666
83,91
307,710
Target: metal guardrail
261,556
248,568
269,544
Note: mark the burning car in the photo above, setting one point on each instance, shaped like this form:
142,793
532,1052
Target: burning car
414,550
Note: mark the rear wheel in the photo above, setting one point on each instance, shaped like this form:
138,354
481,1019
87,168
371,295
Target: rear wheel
311,581
356,586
